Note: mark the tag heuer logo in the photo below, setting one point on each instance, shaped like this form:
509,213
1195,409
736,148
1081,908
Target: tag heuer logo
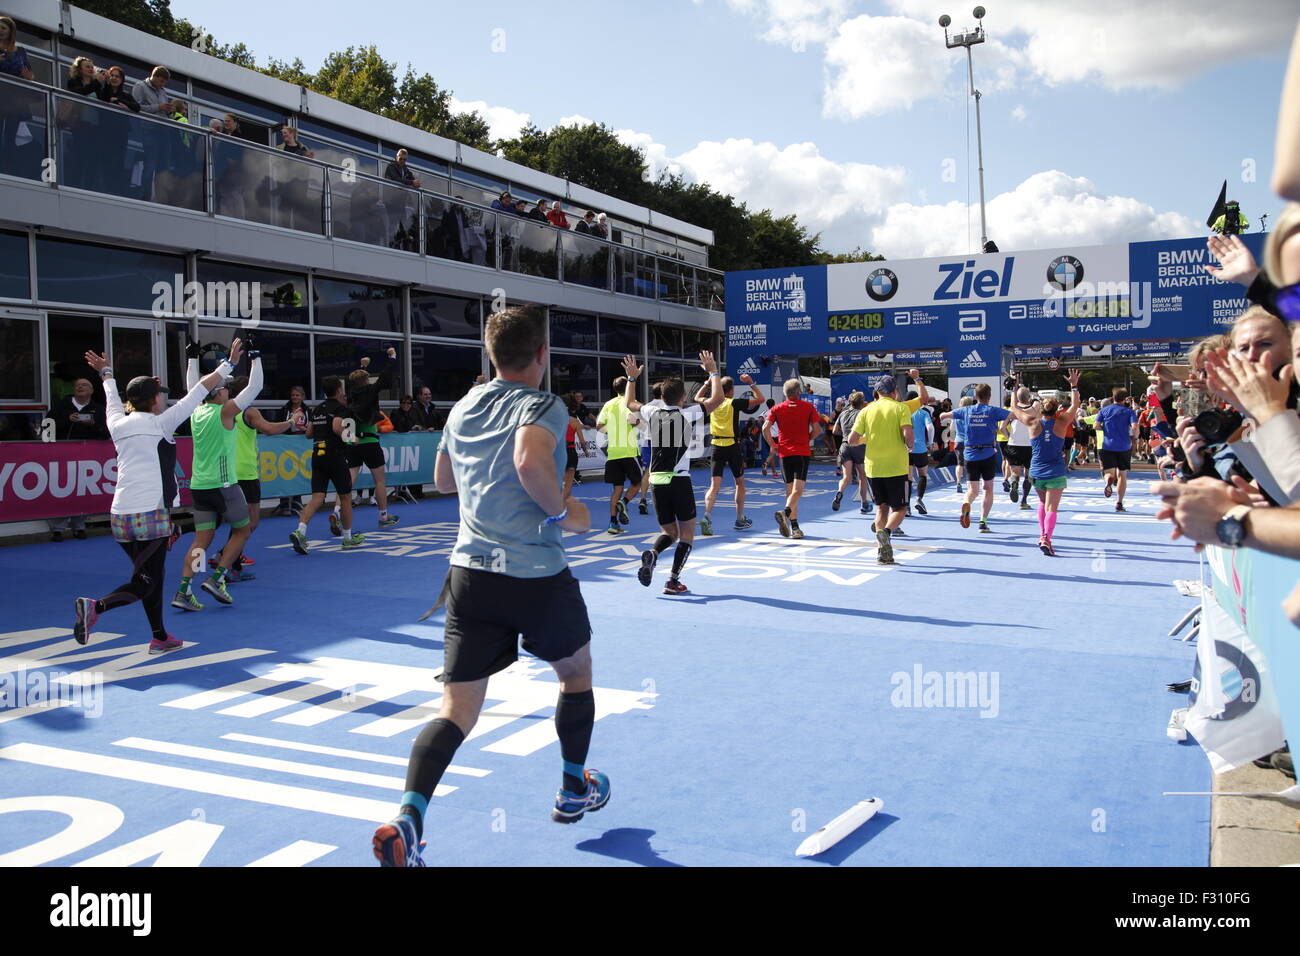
1065,272
881,285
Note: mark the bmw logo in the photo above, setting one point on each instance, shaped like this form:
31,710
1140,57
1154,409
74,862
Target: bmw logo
882,284
1065,272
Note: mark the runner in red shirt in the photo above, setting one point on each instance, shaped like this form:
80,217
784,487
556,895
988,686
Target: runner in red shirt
798,424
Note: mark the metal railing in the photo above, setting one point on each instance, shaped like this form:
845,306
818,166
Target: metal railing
68,141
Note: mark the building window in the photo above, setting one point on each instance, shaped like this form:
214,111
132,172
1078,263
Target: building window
15,271
20,346
447,370
570,330
281,296
357,305
621,338
451,316
107,276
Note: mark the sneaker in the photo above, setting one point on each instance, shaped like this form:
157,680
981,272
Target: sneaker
743,524
908,512
1050,552
235,575
884,550
336,528
706,526
389,521
217,588
395,843
614,528
898,533
921,508
642,509
1043,546
1110,487
620,511
795,530
648,561
1006,486
865,510
1119,506
186,601
298,540
86,617
1015,490
245,561
675,587
984,527
782,523
835,505
959,488
1025,505
965,514
569,807
354,542
161,647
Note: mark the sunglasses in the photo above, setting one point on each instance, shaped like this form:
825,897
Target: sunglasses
1287,302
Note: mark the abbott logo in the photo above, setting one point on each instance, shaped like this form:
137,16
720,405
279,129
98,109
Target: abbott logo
103,909
971,320
973,359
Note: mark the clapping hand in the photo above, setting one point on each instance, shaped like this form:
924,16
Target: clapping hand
1236,264
630,368
707,363
1250,386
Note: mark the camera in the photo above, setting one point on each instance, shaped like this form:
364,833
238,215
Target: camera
1217,425
1009,383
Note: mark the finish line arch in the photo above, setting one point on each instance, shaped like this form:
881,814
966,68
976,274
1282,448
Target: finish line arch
977,308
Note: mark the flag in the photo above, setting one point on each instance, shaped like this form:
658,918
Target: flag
1220,207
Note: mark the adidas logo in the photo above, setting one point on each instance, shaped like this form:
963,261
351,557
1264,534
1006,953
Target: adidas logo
748,367
973,360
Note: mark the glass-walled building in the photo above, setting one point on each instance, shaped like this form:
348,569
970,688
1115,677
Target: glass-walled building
122,231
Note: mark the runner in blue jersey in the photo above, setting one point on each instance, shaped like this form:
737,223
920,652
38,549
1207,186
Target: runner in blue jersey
959,428
919,457
1117,422
981,425
1047,465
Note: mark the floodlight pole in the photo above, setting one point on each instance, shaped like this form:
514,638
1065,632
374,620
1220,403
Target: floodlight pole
968,38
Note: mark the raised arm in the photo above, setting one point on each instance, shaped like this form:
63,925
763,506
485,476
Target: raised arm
921,393
252,390
715,383
171,419
631,370
1064,419
759,397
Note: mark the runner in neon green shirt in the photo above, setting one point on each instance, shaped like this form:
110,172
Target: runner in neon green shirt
623,454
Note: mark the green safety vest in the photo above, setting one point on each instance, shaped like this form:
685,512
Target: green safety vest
214,449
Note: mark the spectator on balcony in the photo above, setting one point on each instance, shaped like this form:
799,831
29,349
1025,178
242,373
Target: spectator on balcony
538,212
81,158
503,202
600,228
289,143
399,172
214,126
556,216
113,90
115,130
404,418
13,58
230,125
521,208
152,95
83,78
588,220
78,417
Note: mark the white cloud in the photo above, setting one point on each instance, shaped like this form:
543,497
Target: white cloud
1018,113
1048,209
577,119
503,122
795,23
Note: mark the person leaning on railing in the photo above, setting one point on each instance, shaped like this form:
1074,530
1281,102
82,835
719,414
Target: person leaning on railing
556,216
13,58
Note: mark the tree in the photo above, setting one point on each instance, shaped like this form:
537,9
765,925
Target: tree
590,155
857,255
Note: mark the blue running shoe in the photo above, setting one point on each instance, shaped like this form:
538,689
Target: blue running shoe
743,524
569,807
396,844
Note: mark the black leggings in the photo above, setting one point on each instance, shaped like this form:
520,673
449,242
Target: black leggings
149,571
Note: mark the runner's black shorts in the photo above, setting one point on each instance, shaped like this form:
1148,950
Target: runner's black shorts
329,468
674,501
961,453
795,467
1123,460
890,491
1020,456
487,614
728,456
621,471
570,458
918,459
252,489
853,454
986,469
215,505
370,454
1067,444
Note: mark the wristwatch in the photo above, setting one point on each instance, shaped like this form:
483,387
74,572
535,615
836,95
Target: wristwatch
1231,528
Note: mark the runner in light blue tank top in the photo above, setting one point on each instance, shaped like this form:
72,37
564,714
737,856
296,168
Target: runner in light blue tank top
1048,424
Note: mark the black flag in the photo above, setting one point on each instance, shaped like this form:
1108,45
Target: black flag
1220,207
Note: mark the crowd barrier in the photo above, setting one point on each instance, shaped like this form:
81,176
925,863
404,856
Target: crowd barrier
67,478
1251,646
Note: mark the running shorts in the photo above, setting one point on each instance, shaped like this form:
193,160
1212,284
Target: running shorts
1123,460
330,469
674,501
890,491
645,456
853,454
370,454
252,489
1067,444
795,467
214,505
961,453
570,458
487,613
986,469
728,456
1049,484
1019,455
620,471
918,459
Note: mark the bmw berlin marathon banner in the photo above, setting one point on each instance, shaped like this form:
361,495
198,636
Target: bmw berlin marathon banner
979,308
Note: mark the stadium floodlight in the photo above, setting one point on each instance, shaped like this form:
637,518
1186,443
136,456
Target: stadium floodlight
967,39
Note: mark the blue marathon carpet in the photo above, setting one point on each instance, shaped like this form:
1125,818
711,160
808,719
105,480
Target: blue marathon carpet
1007,707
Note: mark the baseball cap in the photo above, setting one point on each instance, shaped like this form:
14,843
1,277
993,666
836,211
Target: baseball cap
143,388
885,385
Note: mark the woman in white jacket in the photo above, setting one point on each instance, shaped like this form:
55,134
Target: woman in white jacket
146,489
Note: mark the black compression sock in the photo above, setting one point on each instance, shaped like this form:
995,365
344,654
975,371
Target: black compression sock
680,555
920,488
663,543
430,755
574,716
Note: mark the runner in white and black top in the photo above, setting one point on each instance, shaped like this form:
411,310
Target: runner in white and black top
146,490
672,428
1019,448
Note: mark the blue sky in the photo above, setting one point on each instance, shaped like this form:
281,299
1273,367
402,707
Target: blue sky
1103,122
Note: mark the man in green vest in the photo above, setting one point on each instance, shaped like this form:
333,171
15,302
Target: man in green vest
214,487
